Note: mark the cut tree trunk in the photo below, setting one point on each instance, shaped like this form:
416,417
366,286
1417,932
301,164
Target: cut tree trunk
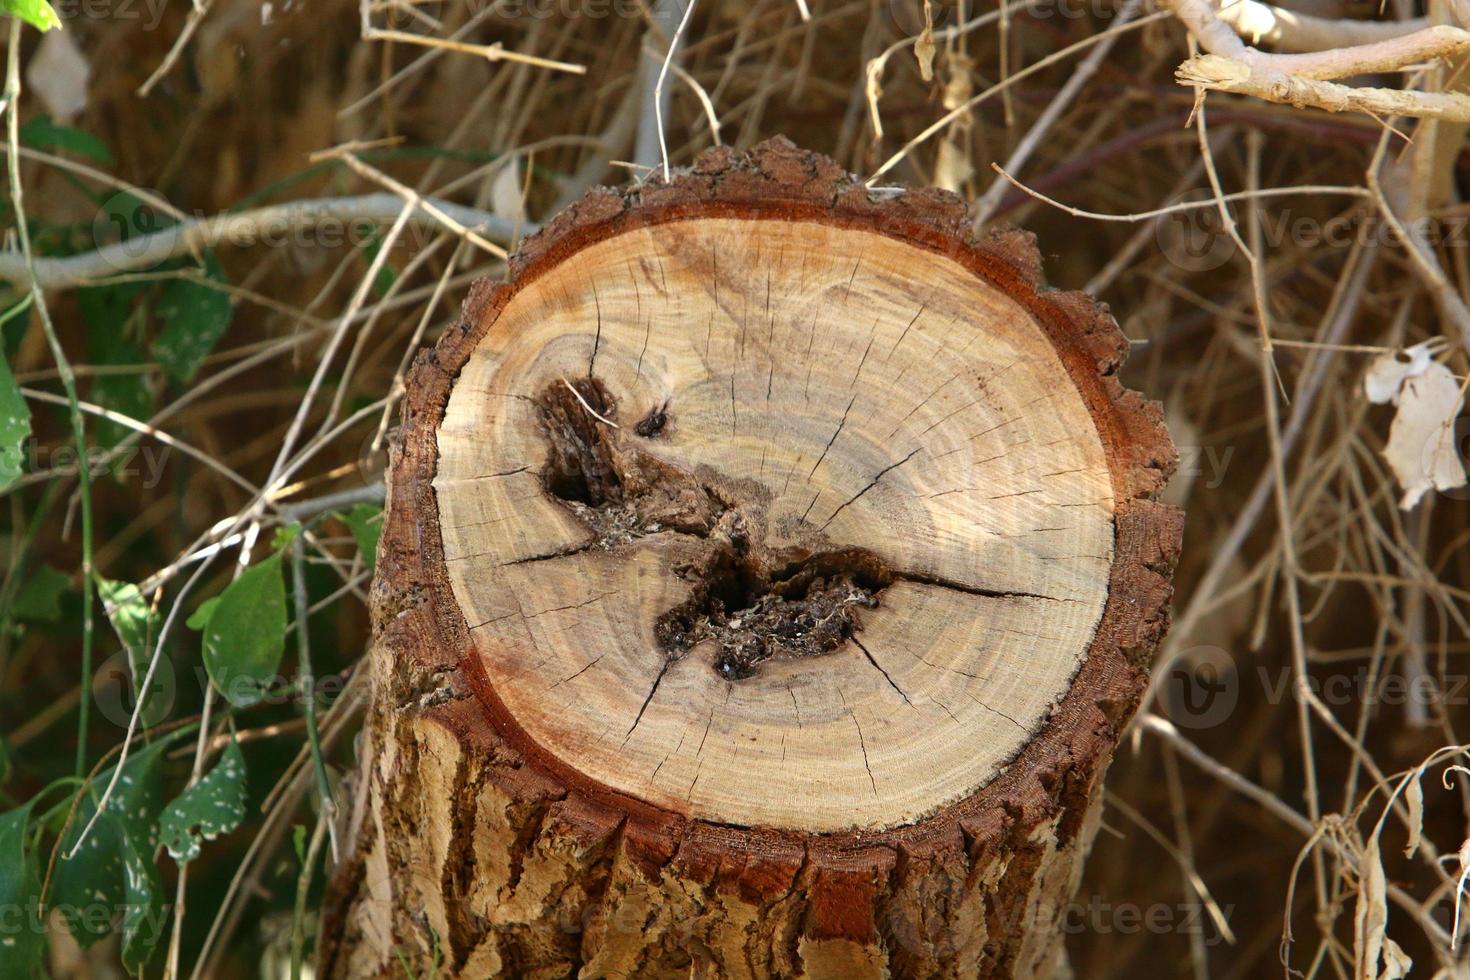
768,574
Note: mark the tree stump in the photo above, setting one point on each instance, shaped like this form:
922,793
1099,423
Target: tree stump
768,573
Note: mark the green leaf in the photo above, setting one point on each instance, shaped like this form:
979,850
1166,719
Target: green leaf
366,523
298,841
136,623
132,616
37,13
23,937
39,599
285,534
144,919
113,871
15,426
195,316
246,633
122,217
200,617
215,805
46,134
108,312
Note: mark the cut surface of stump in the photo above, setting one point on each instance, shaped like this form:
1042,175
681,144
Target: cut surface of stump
855,559
768,573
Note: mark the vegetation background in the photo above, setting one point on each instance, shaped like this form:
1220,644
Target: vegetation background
229,225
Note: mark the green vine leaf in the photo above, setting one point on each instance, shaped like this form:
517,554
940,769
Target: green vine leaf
213,806
45,133
245,635
365,521
37,13
113,871
195,316
39,599
136,624
199,618
15,427
23,940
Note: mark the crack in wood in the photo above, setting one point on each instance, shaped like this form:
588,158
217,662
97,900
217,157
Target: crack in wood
886,676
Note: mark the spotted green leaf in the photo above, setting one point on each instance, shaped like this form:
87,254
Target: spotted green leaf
22,936
15,427
195,316
215,805
111,881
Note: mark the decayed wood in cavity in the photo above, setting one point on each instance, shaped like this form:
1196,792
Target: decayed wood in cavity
914,470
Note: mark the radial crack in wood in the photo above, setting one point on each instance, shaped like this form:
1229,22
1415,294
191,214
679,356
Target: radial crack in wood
768,574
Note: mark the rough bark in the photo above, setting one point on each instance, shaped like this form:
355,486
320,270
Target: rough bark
478,840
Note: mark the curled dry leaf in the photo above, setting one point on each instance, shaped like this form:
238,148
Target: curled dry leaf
1421,442
1371,915
924,47
1414,796
1388,372
1396,963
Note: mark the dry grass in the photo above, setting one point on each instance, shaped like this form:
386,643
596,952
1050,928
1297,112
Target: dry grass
1298,565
